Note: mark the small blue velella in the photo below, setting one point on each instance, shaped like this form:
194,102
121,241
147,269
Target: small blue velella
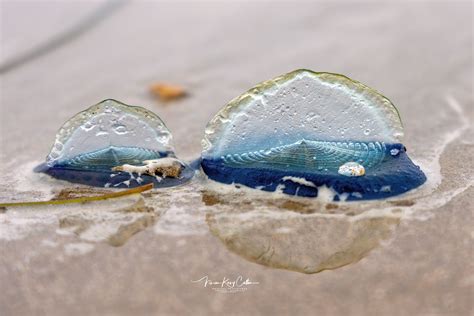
304,130
112,144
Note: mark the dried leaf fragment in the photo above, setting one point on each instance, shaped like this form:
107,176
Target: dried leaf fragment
83,199
167,92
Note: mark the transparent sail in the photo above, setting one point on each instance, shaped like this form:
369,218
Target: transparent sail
309,126
112,144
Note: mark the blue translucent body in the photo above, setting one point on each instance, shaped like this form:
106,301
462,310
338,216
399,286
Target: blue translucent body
95,168
386,174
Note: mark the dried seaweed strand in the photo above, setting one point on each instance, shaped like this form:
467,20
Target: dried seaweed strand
83,199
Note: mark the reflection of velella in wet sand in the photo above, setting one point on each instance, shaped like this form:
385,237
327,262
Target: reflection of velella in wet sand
112,144
118,220
299,242
305,130
115,230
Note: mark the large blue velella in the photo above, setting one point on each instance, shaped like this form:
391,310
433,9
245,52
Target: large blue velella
304,130
112,144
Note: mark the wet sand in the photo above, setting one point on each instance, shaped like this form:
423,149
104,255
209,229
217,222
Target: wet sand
411,255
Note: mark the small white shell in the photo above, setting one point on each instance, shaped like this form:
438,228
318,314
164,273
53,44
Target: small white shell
351,169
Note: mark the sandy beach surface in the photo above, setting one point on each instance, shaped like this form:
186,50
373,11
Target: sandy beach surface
152,254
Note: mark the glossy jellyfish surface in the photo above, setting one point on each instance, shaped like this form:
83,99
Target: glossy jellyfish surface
304,130
112,144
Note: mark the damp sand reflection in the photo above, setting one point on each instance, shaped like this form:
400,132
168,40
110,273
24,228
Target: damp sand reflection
302,236
112,221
